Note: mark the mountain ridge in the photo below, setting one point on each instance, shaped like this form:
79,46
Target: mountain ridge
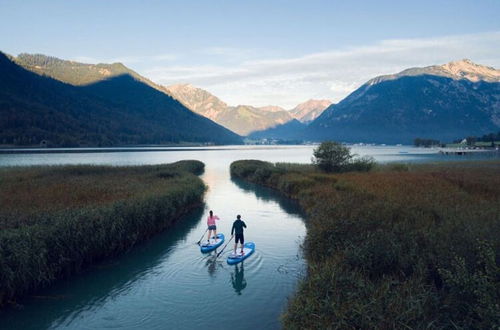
120,110
242,119
308,111
441,102
76,73
461,69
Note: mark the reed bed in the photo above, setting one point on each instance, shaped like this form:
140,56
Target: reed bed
402,246
55,220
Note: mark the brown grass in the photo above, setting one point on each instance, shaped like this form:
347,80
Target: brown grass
399,247
56,220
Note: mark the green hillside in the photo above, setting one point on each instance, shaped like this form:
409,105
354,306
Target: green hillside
76,73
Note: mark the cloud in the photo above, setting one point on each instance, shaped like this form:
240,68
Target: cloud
126,59
331,74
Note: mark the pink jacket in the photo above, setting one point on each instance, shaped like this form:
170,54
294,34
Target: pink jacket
211,220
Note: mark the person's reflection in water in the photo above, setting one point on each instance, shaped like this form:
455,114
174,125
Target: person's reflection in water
238,279
212,263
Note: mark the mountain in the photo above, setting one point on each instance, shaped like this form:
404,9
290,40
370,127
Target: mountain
439,102
272,108
118,110
198,100
75,73
292,130
463,69
242,119
245,119
309,110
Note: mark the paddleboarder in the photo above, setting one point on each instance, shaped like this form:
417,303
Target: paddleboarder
211,225
237,229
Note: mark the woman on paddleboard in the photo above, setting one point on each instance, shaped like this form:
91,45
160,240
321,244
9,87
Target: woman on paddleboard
211,225
237,229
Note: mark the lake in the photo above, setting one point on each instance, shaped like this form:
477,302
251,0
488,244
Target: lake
166,282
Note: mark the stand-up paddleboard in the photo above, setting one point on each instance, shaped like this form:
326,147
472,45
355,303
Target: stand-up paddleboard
212,244
248,249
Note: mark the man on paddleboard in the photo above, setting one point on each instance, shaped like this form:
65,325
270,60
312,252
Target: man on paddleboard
211,225
237,229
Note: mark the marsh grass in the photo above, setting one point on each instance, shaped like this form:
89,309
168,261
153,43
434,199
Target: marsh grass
55,220
403,246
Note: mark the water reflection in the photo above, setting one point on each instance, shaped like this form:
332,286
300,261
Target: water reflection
108,280
268,194
211,262
159,284
238,278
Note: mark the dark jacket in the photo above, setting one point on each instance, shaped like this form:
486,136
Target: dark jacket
238,227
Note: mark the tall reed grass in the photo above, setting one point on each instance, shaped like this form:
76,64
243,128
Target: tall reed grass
56,220
399,247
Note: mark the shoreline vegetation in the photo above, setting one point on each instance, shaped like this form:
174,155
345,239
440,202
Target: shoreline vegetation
56,220
400,246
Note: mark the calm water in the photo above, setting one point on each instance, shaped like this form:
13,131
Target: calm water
166,282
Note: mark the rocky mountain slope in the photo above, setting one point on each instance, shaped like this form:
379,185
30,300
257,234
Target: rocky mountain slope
198,100
309,110
243,119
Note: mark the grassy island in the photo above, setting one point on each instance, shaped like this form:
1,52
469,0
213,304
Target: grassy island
55,220
400,246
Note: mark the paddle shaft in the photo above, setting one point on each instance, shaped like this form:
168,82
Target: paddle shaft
202,236
218,254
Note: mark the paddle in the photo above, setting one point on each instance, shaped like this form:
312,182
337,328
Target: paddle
202,236
218,254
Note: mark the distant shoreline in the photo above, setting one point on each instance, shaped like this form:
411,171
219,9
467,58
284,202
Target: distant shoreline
32,150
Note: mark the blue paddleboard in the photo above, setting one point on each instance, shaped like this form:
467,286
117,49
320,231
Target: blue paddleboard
213,244
248,249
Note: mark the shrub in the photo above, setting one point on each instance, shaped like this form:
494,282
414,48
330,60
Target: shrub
362,164
331,156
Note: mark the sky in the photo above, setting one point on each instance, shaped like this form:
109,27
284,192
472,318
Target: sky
257,52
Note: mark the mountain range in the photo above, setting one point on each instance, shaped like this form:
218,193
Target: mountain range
73,104
68,103
243,119
442,102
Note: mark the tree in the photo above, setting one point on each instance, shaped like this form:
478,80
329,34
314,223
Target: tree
331,156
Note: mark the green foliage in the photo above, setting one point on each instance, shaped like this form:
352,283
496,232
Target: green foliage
71,72
398,248
56,220
331,156
361,164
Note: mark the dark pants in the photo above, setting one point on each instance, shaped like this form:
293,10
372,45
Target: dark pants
240,238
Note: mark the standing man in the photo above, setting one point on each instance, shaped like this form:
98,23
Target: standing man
237,229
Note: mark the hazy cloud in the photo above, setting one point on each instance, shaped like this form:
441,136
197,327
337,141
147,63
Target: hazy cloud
326,75
126,59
